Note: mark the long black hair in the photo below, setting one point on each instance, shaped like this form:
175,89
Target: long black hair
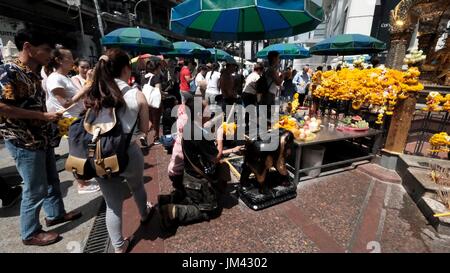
215,67
104,92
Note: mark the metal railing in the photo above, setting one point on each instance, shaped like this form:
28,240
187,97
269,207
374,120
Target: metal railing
424,124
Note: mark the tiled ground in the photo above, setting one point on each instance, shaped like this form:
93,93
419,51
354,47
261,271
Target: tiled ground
345,212
74,234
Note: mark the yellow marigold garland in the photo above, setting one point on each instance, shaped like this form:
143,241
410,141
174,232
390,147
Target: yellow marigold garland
64,125
229,129
369,87
436,102
440,142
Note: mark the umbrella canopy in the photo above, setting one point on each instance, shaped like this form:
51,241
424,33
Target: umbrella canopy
137,39
188,49
348,44
287,51
245,20
230,60
218,54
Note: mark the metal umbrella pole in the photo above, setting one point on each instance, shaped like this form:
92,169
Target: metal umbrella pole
242,56
215,55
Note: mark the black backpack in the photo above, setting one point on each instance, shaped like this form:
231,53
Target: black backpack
262,87
98,148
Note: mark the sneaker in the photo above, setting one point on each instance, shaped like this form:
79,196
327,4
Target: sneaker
91,188
150,212
124,247
12,198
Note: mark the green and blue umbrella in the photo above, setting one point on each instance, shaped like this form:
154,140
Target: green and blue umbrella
188,50
137,39
243,20
218,54
287,51
348,44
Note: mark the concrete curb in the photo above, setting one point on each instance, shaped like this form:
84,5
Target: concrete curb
380,173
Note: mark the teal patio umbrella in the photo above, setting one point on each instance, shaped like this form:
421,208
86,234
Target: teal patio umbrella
218,54
188,50
287,51
244,20
348,44
137,40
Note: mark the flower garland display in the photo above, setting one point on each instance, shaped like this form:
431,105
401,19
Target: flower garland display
437,103
414,57
64,125
440,142
301,130
317,77
376,88
446,105
359,62
229,129
295,104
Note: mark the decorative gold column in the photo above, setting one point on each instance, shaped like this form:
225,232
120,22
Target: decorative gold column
402,26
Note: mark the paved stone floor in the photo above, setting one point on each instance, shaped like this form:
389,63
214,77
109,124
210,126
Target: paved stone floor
345,212
74,234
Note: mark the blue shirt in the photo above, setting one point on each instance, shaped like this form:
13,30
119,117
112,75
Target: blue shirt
301,81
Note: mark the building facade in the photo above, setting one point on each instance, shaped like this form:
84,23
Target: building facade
368,17
75,23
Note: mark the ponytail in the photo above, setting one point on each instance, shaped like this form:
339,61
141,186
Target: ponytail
104,92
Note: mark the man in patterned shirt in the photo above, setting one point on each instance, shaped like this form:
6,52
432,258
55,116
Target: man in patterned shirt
26,127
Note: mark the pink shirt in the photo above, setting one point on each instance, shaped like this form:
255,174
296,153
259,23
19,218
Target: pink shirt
176,164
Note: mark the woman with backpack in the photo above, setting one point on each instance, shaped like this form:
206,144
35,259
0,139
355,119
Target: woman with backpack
110,90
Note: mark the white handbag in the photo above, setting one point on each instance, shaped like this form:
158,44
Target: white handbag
152,94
